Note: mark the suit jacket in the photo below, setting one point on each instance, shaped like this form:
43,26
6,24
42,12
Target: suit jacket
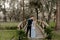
29,22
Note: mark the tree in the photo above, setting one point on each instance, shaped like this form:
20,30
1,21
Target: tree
49,7
4,11
0,7
37,5
14,10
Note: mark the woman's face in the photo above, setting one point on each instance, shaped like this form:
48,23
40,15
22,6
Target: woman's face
33,19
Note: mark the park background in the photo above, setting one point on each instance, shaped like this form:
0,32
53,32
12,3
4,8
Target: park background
13,12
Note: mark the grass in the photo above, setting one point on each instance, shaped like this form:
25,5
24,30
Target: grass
56,35
8,34
9,24
3,25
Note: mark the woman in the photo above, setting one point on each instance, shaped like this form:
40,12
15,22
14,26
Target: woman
33,31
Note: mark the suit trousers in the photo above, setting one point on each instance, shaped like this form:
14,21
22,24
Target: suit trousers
28,30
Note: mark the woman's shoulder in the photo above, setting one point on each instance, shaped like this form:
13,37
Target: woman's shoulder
34,21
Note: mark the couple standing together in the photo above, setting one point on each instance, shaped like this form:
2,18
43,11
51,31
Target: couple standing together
31,27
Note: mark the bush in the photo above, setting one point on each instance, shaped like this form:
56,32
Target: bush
8,28
1,28
48,31
8,25
52,24
11,28
21,34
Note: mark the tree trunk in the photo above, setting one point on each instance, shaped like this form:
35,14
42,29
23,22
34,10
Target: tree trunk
10,18
5,19
37,12
4,12
58,15
49,16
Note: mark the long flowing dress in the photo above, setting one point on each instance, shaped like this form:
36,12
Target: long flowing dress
33,32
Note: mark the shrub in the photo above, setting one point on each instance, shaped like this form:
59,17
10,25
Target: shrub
11,28
8,28
1,28
48,31
52,24
8,25
21,34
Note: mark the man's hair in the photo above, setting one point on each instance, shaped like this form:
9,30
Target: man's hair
31,16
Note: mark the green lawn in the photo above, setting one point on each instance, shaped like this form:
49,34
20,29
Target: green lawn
3,25
12,34
56,35
8,34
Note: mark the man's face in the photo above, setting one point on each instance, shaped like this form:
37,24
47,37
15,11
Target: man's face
32,17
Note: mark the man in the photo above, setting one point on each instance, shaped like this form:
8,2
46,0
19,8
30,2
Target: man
29,26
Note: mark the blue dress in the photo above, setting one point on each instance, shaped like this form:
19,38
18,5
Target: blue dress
33,32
